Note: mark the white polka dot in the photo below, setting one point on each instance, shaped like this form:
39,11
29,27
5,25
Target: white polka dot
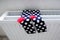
33,22
37,11
38,17
22,21
30,21
25,23
38,21
33,14
24,26
27,19
28,16
42,28
44,25
27,12
37,14
34,19
37,29
33,27
41,23
36,24
31,30
33,11
29,25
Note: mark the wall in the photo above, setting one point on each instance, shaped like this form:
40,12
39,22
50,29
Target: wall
21,4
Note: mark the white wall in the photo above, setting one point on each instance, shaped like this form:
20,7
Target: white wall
16,4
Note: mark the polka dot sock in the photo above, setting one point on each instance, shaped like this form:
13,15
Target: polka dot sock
27,22
40,25
28,26
37,21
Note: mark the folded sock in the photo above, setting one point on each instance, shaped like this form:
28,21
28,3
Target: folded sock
28,26
27,22
38,22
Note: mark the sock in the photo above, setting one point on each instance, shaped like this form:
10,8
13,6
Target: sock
27,22
37,21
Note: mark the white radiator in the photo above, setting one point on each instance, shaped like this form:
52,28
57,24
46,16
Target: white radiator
14,31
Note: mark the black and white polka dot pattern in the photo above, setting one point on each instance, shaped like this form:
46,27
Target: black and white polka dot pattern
39,24
26,13
28,26
36,12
